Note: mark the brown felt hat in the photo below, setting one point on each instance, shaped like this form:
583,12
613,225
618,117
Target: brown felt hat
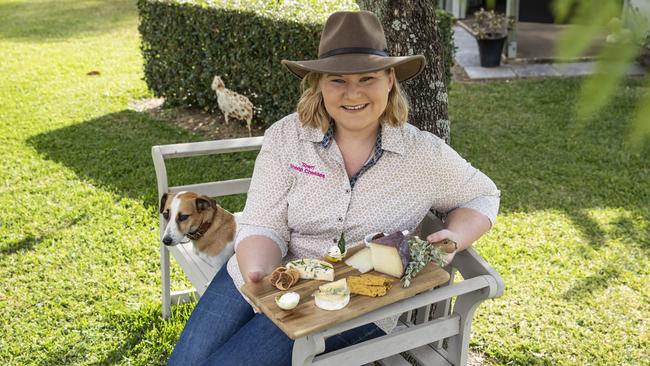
354,43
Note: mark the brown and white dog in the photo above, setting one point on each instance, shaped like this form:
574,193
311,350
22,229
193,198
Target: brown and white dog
199,218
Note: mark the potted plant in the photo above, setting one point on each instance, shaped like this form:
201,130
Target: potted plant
490,30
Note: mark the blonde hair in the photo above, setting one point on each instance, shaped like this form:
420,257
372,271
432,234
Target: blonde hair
312,113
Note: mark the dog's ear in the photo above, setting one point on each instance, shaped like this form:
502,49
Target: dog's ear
163,200
204,203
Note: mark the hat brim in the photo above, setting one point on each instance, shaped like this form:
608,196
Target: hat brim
406,67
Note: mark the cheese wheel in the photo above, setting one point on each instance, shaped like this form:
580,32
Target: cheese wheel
331,302
332,296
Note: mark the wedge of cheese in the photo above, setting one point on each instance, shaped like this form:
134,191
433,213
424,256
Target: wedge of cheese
313,269
390,254
361,261
339,287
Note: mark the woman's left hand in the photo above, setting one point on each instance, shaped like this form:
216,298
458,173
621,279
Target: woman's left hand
441,235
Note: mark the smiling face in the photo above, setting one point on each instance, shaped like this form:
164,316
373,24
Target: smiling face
356,101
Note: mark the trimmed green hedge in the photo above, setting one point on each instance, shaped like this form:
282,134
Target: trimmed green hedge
445,23
186,43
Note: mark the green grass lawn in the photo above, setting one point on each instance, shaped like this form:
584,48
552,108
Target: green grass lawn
78,211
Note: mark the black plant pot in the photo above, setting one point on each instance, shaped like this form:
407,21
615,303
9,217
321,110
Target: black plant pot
490,51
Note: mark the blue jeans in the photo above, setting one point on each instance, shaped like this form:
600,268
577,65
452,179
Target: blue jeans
223,330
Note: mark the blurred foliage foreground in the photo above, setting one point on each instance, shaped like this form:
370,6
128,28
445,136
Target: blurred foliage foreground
627,41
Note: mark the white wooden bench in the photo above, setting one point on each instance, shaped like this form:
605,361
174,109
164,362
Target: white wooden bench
426,319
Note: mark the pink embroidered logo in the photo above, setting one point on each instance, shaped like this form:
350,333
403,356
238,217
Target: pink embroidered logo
307,169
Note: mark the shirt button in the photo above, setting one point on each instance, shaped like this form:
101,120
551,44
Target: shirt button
335,240
340,219
347,190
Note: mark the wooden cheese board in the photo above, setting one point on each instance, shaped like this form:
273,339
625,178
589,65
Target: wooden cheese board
307,318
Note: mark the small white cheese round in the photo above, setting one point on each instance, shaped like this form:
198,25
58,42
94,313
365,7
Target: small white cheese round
288,300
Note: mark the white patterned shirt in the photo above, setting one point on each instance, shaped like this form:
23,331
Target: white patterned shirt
301,196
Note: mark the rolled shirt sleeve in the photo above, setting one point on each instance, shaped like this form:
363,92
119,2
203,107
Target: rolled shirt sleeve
250,230
266,205
465,185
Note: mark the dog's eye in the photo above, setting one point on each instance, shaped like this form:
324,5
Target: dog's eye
183,217
166,215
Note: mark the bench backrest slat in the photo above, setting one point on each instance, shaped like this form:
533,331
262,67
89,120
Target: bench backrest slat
210,147
217,189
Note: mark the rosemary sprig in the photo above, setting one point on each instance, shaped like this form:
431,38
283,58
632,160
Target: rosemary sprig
422,253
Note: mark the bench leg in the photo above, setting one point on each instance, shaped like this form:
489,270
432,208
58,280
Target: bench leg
166,292
305,348
458,345
442,308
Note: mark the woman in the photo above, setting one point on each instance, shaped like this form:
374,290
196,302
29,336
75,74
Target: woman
346,163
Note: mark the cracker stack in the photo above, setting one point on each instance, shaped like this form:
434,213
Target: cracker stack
369,285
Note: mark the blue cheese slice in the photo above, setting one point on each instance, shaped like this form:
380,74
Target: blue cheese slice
313,269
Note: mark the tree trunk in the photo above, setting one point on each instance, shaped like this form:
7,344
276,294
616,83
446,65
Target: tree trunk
410,28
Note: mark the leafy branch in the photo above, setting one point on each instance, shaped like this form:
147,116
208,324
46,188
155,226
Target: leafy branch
422,253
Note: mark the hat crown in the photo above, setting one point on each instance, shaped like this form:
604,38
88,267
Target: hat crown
348,29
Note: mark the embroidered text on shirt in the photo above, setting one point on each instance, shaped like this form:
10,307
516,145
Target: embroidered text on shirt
307,169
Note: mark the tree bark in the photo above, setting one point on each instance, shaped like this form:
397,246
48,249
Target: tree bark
410,28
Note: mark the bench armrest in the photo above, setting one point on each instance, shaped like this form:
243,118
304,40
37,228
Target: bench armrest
470,264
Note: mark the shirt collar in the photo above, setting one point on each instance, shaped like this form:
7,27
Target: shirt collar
328,136
391,138
310,134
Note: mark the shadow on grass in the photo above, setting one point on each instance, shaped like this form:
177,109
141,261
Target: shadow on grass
525,137
27,243
44,21
32,240
594,283
114,152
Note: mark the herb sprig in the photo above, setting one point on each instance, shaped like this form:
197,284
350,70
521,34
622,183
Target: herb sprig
422,253
341,244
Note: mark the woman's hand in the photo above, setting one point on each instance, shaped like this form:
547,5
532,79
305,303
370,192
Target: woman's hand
441,235
464,226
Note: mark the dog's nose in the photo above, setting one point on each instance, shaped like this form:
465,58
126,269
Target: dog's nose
167,240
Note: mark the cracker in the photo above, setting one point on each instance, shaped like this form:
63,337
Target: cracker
369,285
370,280
372,291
